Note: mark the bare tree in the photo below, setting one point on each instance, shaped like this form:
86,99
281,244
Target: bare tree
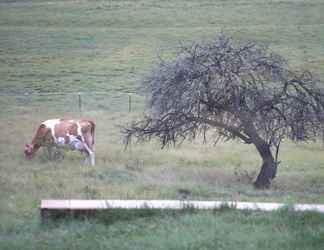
237,90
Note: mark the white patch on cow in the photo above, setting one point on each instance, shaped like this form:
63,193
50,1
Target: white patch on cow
75,143
60,141
80,132
51,125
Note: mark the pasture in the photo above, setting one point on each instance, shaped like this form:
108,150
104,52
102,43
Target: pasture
52,49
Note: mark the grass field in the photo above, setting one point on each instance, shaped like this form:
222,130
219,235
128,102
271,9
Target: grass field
108,46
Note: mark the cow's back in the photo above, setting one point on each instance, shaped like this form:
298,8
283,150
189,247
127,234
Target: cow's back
66,127
61,127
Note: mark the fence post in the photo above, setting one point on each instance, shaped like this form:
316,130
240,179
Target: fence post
129,102
80,102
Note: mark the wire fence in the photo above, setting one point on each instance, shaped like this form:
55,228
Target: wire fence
111,101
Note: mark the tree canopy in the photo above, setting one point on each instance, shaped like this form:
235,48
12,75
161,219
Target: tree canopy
237,90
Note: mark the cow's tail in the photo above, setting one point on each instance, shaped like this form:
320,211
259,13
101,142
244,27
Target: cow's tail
93,126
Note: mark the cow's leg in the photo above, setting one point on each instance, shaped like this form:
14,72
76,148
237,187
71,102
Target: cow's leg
50,152
88,146
86,160
84,148
90,156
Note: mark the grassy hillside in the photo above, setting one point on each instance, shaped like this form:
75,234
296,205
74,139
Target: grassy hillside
104,45
108,46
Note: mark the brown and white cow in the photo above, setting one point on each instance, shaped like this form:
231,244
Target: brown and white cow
64,133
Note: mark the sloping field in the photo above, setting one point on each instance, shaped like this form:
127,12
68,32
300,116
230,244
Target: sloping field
50,48
104,45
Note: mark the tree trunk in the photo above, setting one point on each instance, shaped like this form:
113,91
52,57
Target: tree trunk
268,169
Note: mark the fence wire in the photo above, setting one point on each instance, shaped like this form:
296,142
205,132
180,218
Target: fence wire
74,101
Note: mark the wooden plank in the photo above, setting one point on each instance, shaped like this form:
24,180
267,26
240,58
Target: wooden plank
90,205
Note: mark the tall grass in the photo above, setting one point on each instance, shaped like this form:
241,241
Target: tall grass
204,230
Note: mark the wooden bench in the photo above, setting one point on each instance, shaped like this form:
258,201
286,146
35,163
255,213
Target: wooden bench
54,208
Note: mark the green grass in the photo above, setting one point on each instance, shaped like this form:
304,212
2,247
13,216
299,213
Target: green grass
227,229
205,172
83,46
68,45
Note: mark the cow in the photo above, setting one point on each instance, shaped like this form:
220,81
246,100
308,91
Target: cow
64,133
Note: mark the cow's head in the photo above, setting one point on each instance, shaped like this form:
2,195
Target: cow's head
29,151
